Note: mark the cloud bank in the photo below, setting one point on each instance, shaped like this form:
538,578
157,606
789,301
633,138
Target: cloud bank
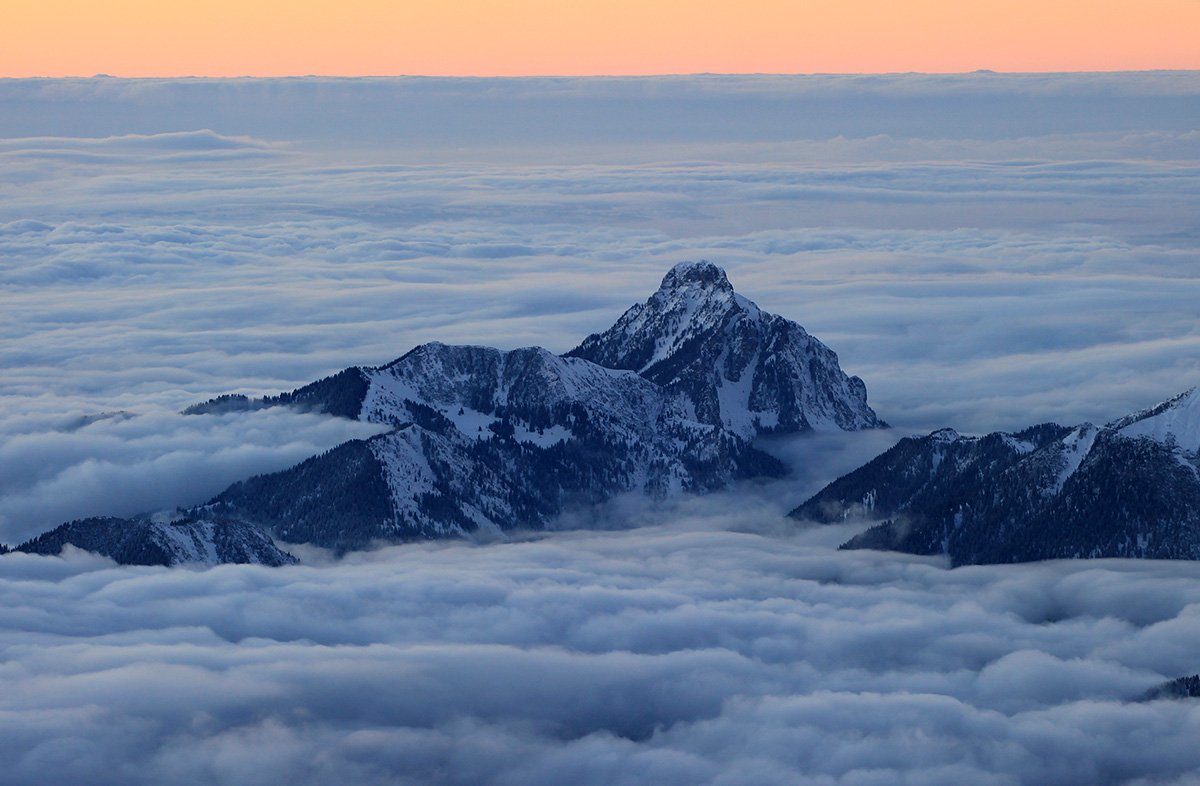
438,119
673,654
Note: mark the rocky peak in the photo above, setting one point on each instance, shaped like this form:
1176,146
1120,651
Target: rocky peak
738,366
702,275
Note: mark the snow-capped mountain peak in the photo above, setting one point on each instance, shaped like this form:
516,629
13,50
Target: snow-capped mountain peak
666,401
738,366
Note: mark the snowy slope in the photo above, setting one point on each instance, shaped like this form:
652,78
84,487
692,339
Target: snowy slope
491,440
1174,421
153,541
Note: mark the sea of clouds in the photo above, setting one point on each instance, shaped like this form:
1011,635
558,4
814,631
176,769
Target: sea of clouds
987,251
715,649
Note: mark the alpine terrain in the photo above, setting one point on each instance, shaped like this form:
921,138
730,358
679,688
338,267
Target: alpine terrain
666,401
1130,488
146,540
737,365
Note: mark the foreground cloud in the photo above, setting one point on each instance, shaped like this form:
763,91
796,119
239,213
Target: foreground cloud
672,654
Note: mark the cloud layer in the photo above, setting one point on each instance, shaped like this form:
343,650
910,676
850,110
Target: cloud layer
985,251
976,274
541,119
676,654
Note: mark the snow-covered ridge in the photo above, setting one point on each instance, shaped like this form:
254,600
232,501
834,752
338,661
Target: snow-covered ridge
1075,448
194,539
1127,489
478,388
1176,420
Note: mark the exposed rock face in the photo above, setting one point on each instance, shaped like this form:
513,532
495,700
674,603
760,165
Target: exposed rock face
1127,489
143,541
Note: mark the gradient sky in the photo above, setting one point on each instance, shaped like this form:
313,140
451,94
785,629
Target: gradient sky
517,37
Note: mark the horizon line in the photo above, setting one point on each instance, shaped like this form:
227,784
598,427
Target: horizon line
675,74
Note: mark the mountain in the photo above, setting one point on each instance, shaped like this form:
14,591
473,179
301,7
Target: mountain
1130,488
739,366
492,440
734,364
147,541
666,401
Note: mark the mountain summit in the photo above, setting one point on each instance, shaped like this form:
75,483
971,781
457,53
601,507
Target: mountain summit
740,367
667,401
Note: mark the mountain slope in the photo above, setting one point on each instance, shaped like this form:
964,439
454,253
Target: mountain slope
485,439
739,366
144,541
1127,489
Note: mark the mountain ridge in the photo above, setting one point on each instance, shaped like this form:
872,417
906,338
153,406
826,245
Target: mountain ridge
1130,488
481,438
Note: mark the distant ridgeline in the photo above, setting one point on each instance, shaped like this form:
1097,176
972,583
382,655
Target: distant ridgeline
1130,488
666,401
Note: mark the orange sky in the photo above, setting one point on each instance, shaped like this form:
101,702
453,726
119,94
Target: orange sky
514,37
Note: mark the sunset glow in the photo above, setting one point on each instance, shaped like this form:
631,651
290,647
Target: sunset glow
518,37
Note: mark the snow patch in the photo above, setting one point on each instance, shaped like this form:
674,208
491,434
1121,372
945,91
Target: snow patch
1021,446
189,542
1075,447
